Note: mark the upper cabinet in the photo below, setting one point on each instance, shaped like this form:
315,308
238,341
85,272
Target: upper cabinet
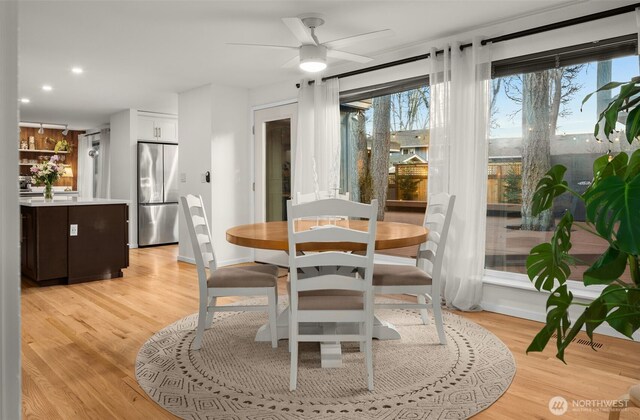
157,128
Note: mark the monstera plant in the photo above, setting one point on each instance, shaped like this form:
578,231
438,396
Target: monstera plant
612,203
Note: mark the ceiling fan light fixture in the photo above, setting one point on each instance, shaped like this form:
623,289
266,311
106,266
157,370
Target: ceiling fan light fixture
313,58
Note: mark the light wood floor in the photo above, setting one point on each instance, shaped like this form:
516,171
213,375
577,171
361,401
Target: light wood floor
80,344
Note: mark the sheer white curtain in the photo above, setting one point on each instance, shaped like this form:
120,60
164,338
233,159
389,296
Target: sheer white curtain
316,163
459,124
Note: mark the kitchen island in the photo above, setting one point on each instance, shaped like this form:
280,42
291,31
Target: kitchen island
72,239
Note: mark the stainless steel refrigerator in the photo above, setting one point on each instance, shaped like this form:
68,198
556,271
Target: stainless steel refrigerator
157,193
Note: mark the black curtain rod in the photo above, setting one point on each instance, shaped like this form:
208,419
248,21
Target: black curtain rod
494,40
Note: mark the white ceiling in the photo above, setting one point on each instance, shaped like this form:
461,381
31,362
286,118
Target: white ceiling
140,54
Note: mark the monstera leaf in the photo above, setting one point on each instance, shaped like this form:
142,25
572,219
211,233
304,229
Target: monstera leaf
633,167
549,187
557,319
613,205
550,261
609,267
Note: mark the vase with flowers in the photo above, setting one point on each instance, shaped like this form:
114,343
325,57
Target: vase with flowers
47,173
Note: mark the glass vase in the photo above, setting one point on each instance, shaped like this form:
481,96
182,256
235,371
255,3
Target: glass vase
48,192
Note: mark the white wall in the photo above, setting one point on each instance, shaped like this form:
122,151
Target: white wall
214,132
195,122
123,165
10,385
231,170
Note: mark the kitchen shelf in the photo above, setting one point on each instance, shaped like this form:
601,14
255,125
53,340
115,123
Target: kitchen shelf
36,163
43,151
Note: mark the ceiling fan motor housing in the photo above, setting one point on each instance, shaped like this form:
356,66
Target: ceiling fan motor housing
313,53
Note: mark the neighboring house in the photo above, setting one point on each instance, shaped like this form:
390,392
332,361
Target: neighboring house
412,142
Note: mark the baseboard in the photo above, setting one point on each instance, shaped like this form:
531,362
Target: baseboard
188,260
515,296
221,263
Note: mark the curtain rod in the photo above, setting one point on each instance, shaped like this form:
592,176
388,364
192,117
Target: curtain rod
507,37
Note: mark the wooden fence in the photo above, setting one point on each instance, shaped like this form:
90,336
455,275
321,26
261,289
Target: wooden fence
500,176
503,183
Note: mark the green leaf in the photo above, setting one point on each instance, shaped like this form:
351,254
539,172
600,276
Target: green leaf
633,168
594,316
608,86
557,319
624,308
614,202
549,261
633,124
549,187
609,267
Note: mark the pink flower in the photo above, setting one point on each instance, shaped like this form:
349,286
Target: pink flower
54,158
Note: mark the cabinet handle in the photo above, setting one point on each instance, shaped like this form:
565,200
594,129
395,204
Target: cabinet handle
160,132
155,131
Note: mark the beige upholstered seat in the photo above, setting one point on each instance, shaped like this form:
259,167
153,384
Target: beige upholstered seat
264,275
399,275
309,301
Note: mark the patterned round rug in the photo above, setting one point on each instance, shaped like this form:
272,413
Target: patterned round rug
234,377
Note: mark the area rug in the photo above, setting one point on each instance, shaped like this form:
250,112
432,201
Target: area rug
234,377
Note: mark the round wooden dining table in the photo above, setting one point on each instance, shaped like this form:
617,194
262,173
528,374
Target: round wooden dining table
274,236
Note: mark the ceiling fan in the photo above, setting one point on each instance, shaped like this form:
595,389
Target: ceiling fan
312,55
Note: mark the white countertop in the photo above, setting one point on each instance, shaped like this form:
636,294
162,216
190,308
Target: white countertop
68,201
39,193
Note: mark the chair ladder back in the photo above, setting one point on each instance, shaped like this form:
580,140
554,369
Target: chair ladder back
200,235
437,219
330,233
442,238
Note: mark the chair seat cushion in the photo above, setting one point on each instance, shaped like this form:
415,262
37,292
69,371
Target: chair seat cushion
330,300
262,275
399,275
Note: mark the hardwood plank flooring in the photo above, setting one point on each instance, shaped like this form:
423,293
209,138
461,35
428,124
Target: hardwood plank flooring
79,345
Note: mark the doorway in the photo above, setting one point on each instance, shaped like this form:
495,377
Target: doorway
275,127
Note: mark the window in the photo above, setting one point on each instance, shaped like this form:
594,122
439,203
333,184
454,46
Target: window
382,128
536,122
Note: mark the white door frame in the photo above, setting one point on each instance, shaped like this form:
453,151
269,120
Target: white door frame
271,112
10,380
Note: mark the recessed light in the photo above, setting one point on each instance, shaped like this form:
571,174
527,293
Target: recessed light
77,70
47,88
25,100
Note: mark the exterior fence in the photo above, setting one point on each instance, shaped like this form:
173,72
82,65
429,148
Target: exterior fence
410,180
504,184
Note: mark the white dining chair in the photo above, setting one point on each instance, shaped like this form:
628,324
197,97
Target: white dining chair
318,292
423,279
251,280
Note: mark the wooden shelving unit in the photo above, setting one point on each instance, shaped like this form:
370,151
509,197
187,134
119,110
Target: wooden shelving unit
42,151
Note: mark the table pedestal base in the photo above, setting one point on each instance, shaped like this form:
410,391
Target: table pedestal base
330,352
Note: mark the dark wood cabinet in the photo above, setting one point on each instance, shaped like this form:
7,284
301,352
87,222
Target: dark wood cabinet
52,255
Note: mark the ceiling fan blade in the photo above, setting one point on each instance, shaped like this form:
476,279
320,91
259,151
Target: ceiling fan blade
299,30
278,47
291,63
343,42
342,55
